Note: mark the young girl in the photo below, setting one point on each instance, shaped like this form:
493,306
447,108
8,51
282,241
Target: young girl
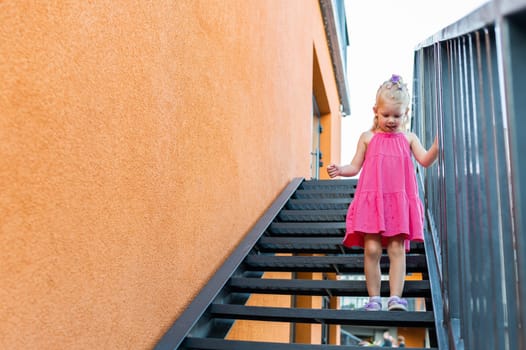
386,210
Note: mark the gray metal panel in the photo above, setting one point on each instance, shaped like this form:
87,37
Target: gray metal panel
332,33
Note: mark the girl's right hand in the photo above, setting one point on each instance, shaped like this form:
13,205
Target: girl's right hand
333,170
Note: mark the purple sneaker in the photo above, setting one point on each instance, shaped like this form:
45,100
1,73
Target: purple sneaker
397,304
374,304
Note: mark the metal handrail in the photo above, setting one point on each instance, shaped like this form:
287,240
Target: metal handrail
468,87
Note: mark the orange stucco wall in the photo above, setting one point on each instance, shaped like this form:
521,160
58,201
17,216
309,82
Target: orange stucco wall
139,142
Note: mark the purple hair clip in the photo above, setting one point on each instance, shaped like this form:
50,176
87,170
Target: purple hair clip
394,82
395,79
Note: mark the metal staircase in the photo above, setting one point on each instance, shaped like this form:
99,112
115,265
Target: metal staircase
307,218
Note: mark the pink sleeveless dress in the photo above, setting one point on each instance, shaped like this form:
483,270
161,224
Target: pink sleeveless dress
386,201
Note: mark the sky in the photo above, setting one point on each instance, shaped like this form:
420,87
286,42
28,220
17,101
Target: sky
383,35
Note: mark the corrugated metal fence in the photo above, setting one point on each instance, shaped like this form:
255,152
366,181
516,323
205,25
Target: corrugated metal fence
470,89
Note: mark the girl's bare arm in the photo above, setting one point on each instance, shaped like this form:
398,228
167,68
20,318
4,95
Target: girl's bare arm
423,157
356,164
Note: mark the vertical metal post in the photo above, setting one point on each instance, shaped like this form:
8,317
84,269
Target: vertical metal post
512,72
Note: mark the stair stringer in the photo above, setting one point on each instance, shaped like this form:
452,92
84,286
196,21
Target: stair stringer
193,320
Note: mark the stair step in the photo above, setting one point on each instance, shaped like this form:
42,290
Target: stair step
324,193
326,316
313,215
325,245
318,204
338,264
322,245
328,184
223,344
308,228
321,287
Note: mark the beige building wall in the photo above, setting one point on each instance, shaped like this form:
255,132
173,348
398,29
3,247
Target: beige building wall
139,142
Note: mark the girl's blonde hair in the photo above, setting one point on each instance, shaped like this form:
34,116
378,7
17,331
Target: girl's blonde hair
395,90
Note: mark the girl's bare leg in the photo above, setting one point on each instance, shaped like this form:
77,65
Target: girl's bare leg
396,252
372,255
